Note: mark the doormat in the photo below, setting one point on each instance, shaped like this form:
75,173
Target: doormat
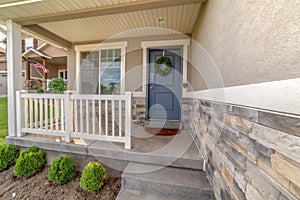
162,131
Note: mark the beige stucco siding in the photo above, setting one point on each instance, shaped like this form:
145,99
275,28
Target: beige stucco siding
134,78
250,41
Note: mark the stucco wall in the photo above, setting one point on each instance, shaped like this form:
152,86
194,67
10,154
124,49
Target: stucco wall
250,41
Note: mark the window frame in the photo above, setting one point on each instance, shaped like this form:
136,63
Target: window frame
98,47
64,71
29,39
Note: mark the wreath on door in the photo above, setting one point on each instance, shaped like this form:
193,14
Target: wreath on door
167,62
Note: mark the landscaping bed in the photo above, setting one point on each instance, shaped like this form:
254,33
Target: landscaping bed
39,187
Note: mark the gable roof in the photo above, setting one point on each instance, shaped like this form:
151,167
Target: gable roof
37,52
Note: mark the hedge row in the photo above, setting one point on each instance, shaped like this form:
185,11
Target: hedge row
62,170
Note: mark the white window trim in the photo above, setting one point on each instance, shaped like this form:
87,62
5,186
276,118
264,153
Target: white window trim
62,70
32,46
99,47
164,43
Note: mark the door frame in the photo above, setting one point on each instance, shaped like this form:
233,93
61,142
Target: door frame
148,74
158,44
163,44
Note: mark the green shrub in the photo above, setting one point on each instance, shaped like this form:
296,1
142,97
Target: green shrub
8,155
58,85
40,90
62,170
30,162
93,177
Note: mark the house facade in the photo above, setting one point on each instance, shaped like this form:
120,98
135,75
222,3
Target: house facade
35,50
227,72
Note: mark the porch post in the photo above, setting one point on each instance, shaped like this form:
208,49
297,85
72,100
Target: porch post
71,68
14,72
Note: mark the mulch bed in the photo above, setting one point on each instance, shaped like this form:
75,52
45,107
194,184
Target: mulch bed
39,187
162,131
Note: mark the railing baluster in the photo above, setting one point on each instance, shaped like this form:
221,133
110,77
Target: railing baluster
106,118
56,114
30,113
76,116
51,114
93,105
120,118
100,117
113,117
46,113
62,118
36,113
41,113
87,116
81,117
26,112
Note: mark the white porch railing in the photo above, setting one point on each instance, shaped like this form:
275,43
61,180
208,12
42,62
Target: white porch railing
98,117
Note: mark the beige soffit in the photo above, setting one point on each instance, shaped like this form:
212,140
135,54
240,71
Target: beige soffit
178,18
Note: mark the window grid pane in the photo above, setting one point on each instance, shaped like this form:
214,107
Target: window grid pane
110,73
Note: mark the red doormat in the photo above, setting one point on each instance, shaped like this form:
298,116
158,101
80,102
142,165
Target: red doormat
162,131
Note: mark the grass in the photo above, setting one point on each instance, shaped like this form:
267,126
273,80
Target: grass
3,120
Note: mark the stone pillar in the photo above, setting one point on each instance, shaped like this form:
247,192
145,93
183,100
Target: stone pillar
14,71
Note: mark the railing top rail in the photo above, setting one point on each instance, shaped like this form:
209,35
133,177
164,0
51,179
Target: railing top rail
98,97
42,96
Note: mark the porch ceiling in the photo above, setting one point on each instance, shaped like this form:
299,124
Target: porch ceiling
63,22
178,18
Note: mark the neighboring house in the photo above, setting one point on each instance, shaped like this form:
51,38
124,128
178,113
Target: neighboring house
53,58
232,88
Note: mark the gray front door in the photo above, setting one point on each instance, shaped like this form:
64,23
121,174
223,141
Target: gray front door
164,92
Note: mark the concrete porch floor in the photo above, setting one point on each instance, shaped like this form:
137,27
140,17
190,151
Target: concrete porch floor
176,151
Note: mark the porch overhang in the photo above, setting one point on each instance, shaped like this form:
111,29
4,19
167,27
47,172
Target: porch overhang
83,22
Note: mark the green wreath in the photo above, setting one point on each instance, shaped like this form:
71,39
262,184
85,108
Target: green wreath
159,62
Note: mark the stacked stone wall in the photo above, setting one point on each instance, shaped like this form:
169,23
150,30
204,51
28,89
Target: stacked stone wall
250,153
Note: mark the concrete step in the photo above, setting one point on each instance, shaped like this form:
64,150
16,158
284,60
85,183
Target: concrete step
175,183
127,194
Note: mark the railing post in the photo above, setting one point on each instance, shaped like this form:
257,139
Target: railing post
68,109
20,112
128,120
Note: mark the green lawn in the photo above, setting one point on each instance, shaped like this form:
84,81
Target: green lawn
3,119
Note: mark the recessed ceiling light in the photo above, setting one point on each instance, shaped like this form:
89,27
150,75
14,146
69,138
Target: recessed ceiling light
5,4
161,20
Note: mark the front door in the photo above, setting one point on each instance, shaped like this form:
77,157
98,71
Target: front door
164,91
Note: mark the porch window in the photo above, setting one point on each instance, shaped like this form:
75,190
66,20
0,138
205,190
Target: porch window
89,72
110,71
101,68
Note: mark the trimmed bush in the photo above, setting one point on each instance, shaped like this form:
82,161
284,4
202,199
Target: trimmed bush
58,85
93,177
8,155
30,162
62,170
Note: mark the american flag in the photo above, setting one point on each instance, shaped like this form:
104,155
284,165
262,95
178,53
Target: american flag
38,66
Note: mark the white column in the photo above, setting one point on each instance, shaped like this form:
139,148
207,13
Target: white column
71,67
14,72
